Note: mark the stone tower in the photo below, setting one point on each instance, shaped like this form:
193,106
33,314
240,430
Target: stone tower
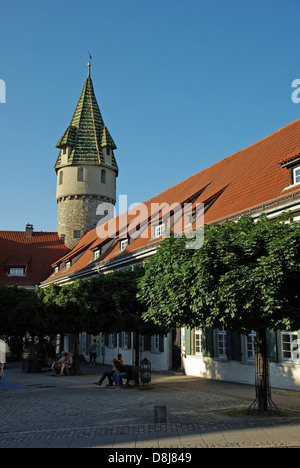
86,168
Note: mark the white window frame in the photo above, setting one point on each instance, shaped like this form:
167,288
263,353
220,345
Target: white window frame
97,254
111,340
155,343
222,343
289,346
183,340
296,175
123,244
17,271
249,346
198,342
159,230
125,340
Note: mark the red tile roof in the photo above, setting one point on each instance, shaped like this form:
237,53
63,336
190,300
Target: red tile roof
244,181
35,253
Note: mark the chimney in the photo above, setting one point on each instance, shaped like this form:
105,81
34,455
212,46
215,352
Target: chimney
29,230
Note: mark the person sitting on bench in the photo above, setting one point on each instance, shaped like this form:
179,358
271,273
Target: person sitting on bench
121,371
67,364
109,374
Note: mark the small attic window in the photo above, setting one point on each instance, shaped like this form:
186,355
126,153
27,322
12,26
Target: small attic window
16,271
97,254
159,230
296,175
123,244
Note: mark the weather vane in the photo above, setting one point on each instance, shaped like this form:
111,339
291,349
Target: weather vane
90,63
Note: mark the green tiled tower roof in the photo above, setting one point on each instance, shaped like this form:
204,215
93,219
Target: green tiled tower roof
87,134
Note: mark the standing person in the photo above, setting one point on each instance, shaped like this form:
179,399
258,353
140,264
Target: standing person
93,353
2,358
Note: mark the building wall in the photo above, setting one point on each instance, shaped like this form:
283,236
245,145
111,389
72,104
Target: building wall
107,350
203,361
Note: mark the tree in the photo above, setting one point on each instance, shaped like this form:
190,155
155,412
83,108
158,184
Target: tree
20,311
245,277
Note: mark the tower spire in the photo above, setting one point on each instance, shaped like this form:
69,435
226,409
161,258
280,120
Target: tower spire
89,65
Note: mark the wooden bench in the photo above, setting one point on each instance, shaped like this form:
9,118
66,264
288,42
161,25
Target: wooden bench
133,376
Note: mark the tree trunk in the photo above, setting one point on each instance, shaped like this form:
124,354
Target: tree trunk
263,372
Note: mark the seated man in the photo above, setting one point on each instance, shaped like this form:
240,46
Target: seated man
67,364
121,371
109,374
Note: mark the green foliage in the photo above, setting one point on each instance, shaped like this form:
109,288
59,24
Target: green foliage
20,311
245,277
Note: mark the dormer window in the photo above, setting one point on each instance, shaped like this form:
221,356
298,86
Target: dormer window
16,271
293,166
68,265
159,230
123,244
97,254
64,154
56,270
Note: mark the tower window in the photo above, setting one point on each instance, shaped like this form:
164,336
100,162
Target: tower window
103,176
77,234
108,151
61,177
80,174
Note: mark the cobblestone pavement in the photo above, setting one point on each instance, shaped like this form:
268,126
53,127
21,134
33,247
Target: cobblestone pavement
38,410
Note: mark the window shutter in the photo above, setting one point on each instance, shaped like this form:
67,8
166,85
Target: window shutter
272,348
115,340
188,348
207,342
234,347
161,344
106,342
147,343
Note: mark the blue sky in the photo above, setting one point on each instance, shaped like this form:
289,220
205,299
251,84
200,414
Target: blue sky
181,84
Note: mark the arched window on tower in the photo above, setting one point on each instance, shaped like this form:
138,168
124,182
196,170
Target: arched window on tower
103,176
61,177
80,174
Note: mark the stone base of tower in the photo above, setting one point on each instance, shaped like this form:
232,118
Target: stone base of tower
77,215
